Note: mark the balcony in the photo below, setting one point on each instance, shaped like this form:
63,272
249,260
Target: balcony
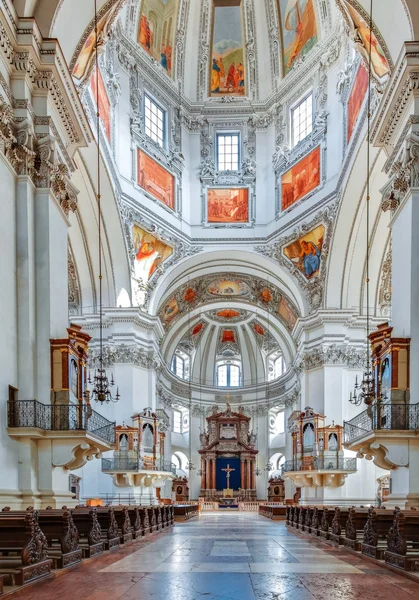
135,472
78,433
319,472
111,465
379,432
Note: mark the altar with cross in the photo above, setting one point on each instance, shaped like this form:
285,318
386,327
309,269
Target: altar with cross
228,458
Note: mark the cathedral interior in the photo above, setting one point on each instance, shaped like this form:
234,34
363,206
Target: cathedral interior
208,347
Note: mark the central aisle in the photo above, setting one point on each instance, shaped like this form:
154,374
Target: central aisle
227,556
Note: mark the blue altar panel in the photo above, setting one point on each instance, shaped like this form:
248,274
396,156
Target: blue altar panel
221,475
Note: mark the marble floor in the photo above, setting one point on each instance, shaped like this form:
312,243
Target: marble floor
226,556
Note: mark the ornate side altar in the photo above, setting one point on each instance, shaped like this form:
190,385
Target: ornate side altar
228,457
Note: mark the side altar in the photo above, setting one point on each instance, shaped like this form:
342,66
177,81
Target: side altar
228,457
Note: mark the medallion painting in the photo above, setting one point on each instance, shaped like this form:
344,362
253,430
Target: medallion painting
157,30
228,337
149,253
228,205
103,102
155,180
305,252
170,310
299,30
227,76
356,98
301,179
379,62
228,314
229,287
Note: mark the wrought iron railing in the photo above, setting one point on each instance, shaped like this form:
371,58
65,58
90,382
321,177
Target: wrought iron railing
135,463
320,464
394,417
60,417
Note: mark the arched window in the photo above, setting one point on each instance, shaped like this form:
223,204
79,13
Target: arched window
228,374
276,366
177,421
180,365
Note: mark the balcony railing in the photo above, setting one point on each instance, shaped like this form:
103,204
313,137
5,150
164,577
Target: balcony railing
382,417
320,464
128,463
60,417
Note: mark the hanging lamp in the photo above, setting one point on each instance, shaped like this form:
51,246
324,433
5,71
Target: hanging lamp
101,390
365,391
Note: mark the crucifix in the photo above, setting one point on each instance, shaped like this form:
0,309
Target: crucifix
228,471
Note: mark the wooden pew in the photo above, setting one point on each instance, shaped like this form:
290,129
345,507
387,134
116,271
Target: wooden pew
23,547
295,521
403,541
134,513
152,519
335,533
354,528
172,513
276,513
374,542
316,520
184,512
62,535
109,527
159,518
326,522
145,520
124,524
302,518
88,526
308,519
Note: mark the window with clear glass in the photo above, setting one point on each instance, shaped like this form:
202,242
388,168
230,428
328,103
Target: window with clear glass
154,121
177,421
276,366
228,375
180,366
280,423
228,151
302,120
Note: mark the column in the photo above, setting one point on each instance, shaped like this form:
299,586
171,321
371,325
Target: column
213,474
249,474
203,473
253,473
207,473
242,482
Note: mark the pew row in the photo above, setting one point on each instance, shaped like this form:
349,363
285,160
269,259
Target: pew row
23,548
276,513
392,536
184,512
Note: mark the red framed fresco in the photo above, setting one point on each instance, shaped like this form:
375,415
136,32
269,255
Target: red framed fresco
228,205
301,179
155,180
104,104
356,99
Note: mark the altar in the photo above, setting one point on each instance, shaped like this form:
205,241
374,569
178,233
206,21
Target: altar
229,503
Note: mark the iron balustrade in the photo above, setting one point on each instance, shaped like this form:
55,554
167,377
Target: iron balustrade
320,464
60,417
382,417
135,463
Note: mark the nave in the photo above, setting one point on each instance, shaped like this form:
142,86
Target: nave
227,556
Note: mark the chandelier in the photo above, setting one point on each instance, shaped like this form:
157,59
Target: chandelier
268,466
365,391
101,391
258,471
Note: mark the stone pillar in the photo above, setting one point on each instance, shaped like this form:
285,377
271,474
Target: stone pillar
214,486
207,473
203,469
249,474
242,477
